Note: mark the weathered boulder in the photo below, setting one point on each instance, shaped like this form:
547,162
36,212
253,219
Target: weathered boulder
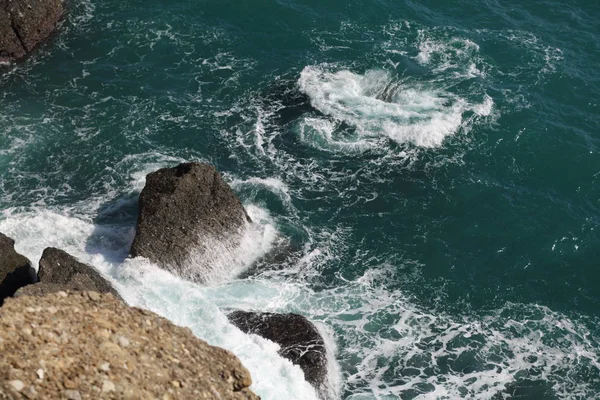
300,341
186,210
15,269
24,24
61,271
87,345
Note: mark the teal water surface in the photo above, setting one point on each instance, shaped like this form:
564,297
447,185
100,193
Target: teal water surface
435,166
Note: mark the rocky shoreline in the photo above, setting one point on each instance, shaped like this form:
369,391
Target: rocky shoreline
67,333
25,24
180,208
87,345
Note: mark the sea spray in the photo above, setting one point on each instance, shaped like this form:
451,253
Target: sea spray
144,285
378,104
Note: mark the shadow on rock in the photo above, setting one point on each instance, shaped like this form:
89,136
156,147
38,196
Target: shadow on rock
15,269
114,228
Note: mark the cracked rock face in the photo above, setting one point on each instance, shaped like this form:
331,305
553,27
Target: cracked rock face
24,24
89,345
186,210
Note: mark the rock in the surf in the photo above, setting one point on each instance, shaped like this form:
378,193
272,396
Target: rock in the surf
89,345
183,211
300,341
24,24
15,269
60,271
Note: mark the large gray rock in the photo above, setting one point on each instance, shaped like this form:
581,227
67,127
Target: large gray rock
186,210
15,269
300,341
60,271
24,24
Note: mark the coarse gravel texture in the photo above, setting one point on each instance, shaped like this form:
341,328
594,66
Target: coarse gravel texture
88,345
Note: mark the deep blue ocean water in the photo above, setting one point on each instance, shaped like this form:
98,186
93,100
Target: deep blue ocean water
432,169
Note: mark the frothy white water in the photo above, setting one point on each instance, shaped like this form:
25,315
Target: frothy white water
142,284
455,54
379,105
220,259
391,348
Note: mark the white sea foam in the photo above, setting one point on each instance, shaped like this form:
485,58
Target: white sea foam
391,347
448,53
143,284
379,105
219,259
275,185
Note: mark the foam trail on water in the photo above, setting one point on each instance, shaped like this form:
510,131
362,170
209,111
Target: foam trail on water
379,105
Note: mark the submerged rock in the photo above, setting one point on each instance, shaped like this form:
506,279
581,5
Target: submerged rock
185,211
61,271
300,341
90,345
24,24
15,269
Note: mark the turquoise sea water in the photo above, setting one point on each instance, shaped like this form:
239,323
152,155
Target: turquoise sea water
435,166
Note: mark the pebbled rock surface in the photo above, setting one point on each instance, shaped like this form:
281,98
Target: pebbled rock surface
61,271
24,24
182,210
15,269
87,345
300,341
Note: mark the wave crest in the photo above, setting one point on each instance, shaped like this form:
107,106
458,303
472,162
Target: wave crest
379,105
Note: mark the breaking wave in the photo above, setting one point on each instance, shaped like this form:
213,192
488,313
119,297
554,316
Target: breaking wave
379,105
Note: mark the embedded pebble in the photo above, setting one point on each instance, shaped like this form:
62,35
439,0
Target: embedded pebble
17,385
95,296
108,386
123,341
72,394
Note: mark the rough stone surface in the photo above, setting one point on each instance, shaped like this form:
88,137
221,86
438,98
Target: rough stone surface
300,341
77,342
61,271
182,210
15,269
24,24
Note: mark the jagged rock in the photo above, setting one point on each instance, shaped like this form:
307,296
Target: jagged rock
89,345
61,271
24,24
300,341
183,211
15,269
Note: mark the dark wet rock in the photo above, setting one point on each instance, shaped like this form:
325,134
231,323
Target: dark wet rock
300,341
15,269
185,210
60,271
24,24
